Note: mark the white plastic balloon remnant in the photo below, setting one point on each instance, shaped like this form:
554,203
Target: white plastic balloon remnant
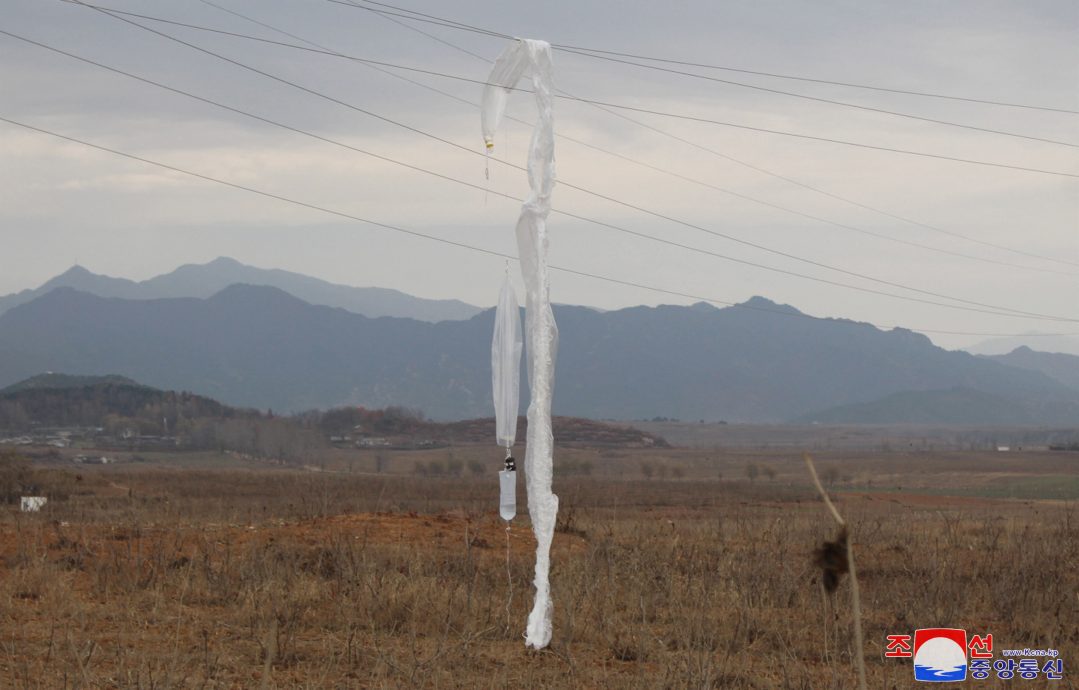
506,389
506,365
533,58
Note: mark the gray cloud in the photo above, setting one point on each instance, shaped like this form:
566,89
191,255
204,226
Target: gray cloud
61,202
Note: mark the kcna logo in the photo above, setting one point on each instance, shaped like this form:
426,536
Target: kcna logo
940,654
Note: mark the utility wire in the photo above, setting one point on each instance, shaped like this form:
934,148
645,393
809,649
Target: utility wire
819,99
431,19
989,309
680,116
429,35
463,245
791,94
868,87
732,159
649,166
844,199
669,135
447,23
985,308
812,137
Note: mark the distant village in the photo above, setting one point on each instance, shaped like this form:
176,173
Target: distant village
90,437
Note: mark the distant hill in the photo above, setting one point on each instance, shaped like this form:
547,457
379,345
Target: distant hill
60,400
261,347
568,431
1040,343
391,423
53,381
952,407
1061,367
205,280
119,405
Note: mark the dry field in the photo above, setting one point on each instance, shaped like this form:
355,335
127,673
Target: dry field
671,569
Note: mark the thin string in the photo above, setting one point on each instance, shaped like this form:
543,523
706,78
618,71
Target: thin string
509,577
486,173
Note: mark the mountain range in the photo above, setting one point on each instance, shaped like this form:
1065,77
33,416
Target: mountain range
259,346
1057,365
205,280
1064,344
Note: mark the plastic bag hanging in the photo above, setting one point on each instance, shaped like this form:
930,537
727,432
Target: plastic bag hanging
506,347
533,58
506,389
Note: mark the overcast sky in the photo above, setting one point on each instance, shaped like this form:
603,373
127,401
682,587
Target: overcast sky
62,203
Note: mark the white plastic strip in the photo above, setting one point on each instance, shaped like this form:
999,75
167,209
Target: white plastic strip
533,58
506,365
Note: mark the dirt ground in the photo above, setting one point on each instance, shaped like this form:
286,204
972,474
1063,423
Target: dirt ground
219,572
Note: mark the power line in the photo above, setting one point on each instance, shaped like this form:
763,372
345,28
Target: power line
454,243
869,87
430,18
832,195
245,188
662,132
328,51
990,309
812,137
819,99
601,223
433,37
986,308
630,159
732,159
791,94
680,116
843,199
451,24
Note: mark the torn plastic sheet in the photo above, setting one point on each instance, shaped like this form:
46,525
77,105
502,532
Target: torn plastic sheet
529,58
506,347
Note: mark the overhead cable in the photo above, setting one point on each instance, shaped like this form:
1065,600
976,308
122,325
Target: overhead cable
724,156
451,24
650,111
463,245
984,307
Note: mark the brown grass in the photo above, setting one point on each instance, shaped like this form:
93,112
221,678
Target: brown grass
149,577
